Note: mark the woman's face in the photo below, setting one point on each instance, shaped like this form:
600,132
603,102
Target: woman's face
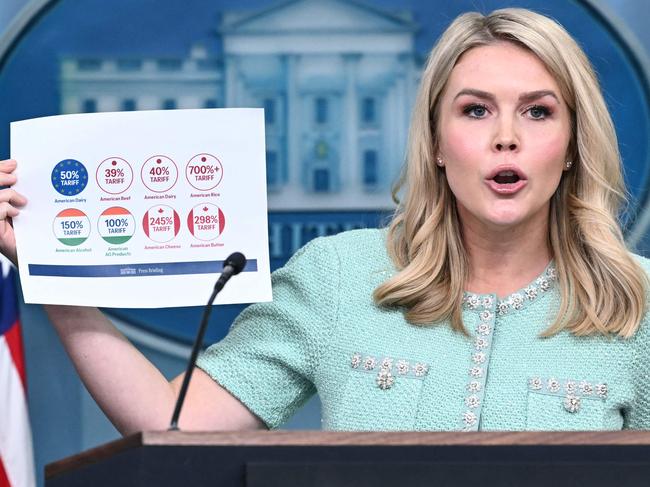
504,131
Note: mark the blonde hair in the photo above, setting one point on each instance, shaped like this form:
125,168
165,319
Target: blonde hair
602,286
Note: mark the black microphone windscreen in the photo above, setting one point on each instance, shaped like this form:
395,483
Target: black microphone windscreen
237,261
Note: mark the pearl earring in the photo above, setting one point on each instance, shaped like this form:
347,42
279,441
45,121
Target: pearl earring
439,161
569,164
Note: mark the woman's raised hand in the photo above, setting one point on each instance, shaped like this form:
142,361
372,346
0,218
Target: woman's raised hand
10,202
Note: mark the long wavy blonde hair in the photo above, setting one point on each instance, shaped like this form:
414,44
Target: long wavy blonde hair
602,286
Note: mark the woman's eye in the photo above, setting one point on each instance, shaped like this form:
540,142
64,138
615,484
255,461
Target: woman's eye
476,111
538,112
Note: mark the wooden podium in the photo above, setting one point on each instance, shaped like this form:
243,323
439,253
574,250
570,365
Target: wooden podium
315,458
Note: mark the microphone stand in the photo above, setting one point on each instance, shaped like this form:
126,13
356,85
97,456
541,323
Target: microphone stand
230,269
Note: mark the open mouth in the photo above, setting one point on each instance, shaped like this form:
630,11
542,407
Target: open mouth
506,180
506,177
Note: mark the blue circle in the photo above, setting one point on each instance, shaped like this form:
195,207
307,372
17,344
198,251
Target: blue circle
69,177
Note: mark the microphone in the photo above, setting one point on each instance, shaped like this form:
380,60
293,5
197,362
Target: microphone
232,266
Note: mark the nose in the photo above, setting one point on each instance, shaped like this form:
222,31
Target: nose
505,138
506,146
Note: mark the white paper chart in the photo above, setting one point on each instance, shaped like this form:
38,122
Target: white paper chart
139,209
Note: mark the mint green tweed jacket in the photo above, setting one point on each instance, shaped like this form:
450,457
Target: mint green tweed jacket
375,371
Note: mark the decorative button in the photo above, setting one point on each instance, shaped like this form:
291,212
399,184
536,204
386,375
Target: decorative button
473,301
369,363
571,393
356,360
420,369
530,292
469,418
483,329
516,301
572,403
586,388
403,367
485,315
476,372
481,343
601,390
478,358
535,383
543,283
570,387
472,402
553,385
474,386
385,379
387,363
387,369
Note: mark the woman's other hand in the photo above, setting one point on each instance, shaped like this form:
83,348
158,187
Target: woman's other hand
10,202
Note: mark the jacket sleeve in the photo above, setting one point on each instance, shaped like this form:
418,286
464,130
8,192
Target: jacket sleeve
272,350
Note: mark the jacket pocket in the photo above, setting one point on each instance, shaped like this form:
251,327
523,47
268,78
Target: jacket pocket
380,394
565,405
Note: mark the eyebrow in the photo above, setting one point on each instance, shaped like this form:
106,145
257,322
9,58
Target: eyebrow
524,97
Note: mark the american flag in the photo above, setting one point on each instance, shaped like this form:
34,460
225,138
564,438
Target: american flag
16,458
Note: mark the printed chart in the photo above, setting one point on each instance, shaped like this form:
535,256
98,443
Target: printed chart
160,223
146,226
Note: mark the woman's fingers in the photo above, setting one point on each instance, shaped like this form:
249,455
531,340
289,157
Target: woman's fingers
8,165
7,237
7,211
10,202
12,197
7,179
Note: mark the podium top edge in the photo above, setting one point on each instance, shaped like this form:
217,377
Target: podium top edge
386,438
348,439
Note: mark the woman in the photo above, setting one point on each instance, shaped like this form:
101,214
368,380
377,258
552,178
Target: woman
501,297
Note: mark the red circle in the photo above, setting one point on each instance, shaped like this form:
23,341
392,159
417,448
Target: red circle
203,159
190,222
158,161
114,163
176,222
